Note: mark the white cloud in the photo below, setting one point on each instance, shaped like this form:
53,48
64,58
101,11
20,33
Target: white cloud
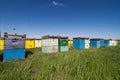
57,4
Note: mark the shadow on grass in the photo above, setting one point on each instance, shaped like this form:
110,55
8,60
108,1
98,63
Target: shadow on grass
27,53
1,57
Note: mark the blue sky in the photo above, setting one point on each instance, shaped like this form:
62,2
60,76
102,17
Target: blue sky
86,18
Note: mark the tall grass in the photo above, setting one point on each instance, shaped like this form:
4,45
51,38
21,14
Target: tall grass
90,64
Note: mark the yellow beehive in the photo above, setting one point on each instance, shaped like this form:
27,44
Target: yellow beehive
1,44
29,43
70,43
37,43
117,42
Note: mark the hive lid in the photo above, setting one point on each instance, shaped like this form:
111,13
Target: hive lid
30,38
107,38
83,38
96,39
63,37
38,39
12,36
53,37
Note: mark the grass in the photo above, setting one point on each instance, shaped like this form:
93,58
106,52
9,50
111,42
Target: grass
90,64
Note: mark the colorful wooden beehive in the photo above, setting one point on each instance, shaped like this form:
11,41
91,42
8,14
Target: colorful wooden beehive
30,43
96,42
49,44
1,44
107,42
38,43
70,43
118,42
14,47
101,42
63,44
81,43
113,42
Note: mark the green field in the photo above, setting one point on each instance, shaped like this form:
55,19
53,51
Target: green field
90,64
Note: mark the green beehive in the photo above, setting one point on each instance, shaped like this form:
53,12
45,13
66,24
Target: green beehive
63,44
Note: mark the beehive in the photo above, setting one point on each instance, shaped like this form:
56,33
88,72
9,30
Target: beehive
1,44
14,47
101,42
70,43
63,44
107,42
38,43
49,44
11,54
14,43
116,42
113,43
81,42
96,42
87,43
119,42
29,43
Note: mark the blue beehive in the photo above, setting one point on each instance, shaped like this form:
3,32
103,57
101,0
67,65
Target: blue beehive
119,42
101,42
96,43
79,42
106,42
11,54
14,47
